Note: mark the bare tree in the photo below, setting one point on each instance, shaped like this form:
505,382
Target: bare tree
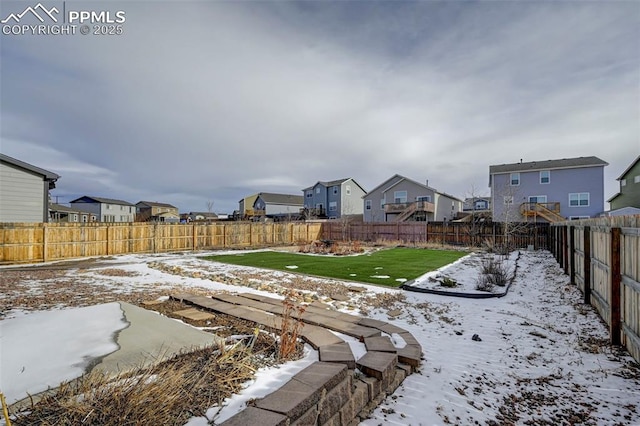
210,206
509,216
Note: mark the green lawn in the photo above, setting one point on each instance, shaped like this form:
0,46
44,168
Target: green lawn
387,267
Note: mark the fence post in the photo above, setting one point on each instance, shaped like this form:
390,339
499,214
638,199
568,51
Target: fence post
195,237
565,249
44,242
615,286
572,259
587,265
107,240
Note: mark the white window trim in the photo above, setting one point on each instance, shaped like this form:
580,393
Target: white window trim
347,190
636,179
579,194
395,197
367,204
426,198
511,179
623,182
548,176
536,197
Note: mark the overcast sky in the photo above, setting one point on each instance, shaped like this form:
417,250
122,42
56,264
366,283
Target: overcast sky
200,101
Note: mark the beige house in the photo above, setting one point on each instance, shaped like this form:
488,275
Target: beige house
151,211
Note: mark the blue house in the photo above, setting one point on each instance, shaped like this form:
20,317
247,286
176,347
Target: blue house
334,199
551,190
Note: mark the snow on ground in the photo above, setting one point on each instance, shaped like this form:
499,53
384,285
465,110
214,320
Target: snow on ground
539,355
42,349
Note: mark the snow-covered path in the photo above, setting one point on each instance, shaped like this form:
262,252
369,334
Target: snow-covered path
542,357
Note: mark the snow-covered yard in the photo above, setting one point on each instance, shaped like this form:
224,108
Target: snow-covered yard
535,356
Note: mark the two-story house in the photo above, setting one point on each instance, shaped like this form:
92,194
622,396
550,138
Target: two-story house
24,191
627,201
105,209
151,211
551,190
399,199
334,199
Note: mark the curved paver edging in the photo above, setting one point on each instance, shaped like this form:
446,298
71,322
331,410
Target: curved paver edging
328,392
408,287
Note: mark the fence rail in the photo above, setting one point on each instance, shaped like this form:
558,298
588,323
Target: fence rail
41,242
453,233
602,257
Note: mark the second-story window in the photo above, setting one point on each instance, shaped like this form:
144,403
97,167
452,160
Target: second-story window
545,176
367,204
579,199
623,182
335,189
347,190
514,179
400,196
317,190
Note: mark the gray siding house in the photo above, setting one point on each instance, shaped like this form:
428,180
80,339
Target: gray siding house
24,191
280,206
334,199
400,199
629,195
105,209
547,191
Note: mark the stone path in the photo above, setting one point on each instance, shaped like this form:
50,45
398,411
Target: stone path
328,392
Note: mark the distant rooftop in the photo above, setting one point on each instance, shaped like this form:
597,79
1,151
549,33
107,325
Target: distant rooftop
564,163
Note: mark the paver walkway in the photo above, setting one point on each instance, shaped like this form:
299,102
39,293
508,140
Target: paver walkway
383,367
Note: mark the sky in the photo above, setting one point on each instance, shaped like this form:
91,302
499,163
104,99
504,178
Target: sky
214,101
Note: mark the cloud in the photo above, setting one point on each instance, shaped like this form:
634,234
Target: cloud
220,100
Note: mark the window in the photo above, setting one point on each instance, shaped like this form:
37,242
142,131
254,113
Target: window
317,190
400,196
578,217
333,206
538,199
309,194
636,179
623,182
347,189
75,217
335,190
382,202
121,207
481,205
508,200
85,218
426,198
108,206
545,176
367,204
579,199
515,179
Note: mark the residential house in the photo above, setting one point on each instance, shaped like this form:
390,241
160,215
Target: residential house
60,213
629,195
198,217
105,209
551,190
151,211
477,204
400,199
277,206
24,191
245,210
334,199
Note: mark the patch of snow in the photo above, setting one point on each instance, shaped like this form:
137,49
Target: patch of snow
380,276
291,267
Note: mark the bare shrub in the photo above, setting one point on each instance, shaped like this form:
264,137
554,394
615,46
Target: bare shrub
291,325
493,272
484,283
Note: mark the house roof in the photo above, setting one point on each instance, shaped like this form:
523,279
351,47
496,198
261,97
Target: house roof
564,163
271,198
88,199
50,176
629,168
401,178
327,183
155,204
60,208
205,214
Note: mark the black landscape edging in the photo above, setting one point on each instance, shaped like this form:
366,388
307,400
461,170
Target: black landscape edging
408,287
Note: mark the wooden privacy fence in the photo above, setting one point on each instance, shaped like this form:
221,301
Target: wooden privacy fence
42,242
602,257
453,233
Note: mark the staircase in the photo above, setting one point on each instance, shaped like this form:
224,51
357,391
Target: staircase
407,213
542,210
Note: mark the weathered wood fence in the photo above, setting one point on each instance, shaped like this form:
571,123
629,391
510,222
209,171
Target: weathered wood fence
602,257
452,233
42,242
